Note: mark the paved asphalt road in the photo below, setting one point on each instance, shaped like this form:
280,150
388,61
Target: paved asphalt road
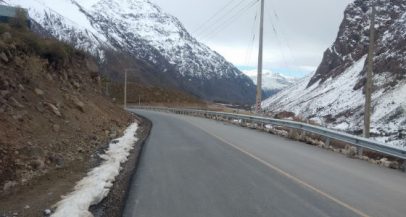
194,167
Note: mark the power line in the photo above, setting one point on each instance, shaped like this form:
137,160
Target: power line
221,18
252,41
213,16
232,19
284,40
278,40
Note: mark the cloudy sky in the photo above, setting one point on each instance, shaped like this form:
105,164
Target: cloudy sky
303,30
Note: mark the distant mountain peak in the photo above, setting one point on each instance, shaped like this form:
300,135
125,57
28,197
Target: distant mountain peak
272,80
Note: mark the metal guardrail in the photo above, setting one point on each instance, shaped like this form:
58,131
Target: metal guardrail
357,141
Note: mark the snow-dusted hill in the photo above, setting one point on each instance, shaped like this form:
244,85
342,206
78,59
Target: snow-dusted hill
272,82
334,94
143,31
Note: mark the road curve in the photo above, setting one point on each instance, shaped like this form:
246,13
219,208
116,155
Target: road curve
194,167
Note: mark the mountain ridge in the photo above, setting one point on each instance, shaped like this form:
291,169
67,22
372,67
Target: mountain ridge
142,31
334,94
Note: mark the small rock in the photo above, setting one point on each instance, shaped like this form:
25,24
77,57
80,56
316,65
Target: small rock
49,77
79,104
365,158
39,92
16,103
21,87
20,115
6,36
37,164
54,109
92,66
9,185
4,93
4,57
19,62
350,151
57,159
76,84
47,212
373,161
40,107
394,165
15,213
27,207
56,128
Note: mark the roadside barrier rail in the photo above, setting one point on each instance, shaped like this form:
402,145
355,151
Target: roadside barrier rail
357,141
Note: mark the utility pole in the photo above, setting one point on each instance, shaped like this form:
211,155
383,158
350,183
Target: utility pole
125,88
368,85
260,58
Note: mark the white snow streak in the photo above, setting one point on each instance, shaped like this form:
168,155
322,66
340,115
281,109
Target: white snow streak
92,189
337,96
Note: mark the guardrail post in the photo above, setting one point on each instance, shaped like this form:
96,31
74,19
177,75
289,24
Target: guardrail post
328,142
360,151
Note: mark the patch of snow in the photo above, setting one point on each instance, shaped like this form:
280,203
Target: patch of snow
96,185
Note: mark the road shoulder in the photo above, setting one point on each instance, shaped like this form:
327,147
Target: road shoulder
113,204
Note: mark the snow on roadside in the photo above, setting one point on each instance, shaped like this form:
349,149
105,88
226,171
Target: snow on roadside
96,185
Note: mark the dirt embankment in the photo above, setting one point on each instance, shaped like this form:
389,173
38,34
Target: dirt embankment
53,119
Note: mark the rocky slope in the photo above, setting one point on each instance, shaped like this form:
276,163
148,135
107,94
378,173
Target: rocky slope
335,92
272,82
140,30
53,119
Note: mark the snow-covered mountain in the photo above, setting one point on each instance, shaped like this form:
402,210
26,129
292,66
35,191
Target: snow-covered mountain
272,82
143,31
334,94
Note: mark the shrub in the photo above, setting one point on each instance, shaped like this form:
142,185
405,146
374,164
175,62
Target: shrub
55,53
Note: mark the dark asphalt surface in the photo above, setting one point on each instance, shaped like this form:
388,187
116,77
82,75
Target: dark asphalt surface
194,167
